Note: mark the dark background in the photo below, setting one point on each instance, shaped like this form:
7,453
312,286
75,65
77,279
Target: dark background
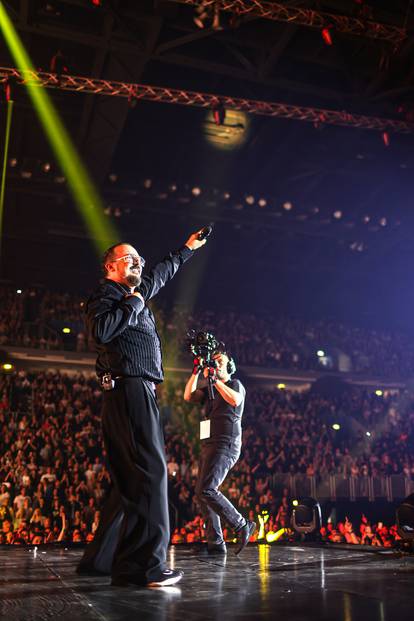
303,261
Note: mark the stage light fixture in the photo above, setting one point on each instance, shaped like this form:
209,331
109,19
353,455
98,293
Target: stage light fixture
386,139
281,386
196,191
66,330
320,353
306,516
405,519
287,206
18,291
336,427
46,167
327,36
12,162
337,214
201,14
7,366
219,114
249,199
262,202
379,393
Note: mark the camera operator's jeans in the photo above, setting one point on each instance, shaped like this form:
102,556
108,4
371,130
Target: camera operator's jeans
216,461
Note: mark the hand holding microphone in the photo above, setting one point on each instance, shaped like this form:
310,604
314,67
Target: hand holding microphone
199,238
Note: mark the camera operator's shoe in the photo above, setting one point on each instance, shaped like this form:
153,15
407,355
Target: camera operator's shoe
243,535
167,577
216,548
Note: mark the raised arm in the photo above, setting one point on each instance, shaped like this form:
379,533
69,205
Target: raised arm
166,269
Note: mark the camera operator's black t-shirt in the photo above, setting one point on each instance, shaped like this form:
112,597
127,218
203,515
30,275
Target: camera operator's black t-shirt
225,425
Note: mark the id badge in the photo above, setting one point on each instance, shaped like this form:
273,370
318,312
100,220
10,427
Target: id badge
204,429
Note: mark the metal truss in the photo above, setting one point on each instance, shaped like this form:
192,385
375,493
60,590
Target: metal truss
307,17
318,116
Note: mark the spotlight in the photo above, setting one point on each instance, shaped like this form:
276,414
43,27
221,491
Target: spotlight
336,427
12,162
66,330
281,386
405,519
147,184
386,139
306,516
204,13
383,222
7,366
196,191
19,291
262,202
201,14
219,114
58,64
320,353
337,214
249,199
287,206
46,167
379,393
327,36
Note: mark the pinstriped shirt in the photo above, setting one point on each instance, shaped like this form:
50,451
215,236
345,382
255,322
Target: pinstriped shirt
122,327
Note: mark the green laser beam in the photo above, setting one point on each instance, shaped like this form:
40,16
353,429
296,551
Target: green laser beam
4,170
82,189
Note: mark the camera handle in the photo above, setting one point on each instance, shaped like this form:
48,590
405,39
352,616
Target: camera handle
210,387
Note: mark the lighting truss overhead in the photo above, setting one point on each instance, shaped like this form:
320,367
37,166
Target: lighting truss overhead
202,100
311,18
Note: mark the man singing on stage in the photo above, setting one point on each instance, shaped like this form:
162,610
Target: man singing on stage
220,449
132,539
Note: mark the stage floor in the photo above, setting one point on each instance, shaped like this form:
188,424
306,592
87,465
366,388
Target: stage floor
291,583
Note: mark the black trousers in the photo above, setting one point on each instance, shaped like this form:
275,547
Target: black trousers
134,530
215,463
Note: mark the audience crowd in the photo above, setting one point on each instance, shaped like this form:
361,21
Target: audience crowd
38,318
53,474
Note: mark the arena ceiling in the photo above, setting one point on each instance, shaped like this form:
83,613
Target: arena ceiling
335,211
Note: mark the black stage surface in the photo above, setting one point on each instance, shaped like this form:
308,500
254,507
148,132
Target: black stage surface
266,582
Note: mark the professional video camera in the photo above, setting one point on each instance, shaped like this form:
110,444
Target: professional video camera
203,345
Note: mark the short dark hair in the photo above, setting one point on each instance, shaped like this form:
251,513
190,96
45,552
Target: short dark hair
109,255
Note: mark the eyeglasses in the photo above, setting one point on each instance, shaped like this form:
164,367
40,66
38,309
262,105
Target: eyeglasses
131,258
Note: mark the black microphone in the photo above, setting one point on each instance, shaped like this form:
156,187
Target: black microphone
205,232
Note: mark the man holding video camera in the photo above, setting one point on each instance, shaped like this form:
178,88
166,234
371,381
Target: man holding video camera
220,436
